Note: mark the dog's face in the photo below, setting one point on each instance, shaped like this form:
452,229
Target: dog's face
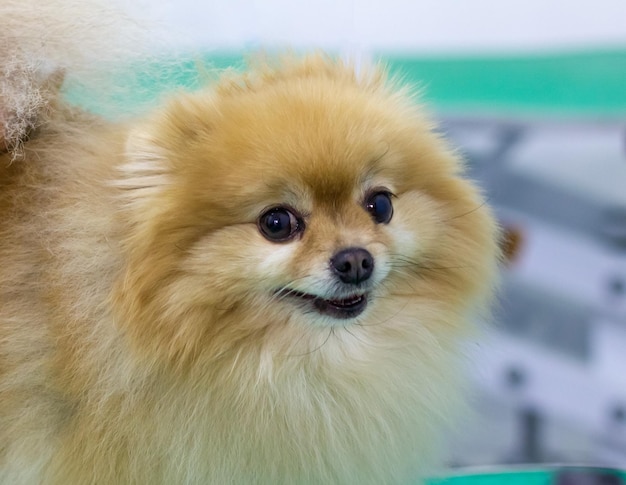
269,213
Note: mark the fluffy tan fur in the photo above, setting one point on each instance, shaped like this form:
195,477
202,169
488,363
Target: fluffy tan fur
141,336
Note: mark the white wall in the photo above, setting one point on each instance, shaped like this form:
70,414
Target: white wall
424,25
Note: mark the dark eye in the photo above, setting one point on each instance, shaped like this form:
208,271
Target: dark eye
279,224
380,207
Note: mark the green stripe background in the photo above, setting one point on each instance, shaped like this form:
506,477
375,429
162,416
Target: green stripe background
574,83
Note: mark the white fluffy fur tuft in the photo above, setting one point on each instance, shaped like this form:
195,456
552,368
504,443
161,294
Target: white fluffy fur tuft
82,44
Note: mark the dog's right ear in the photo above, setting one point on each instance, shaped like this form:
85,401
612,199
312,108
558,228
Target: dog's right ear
154,153
145,172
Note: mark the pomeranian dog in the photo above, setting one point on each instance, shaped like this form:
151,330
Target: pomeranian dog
264,281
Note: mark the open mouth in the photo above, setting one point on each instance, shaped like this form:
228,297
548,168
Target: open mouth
344,308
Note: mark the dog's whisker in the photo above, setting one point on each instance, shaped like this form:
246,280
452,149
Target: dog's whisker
471,211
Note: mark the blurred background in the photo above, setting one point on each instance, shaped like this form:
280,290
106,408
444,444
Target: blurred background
534,95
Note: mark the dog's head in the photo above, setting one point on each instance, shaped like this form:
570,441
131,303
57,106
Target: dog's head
292,202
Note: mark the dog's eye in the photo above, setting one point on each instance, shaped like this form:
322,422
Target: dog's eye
279,224
380,207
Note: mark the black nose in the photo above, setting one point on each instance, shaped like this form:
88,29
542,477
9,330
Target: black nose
353,265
